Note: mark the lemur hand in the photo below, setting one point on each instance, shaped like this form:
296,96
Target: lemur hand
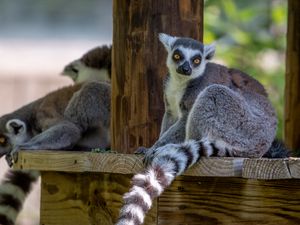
12,157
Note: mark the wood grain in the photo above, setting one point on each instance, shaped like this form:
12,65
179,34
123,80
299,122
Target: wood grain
130,164
230,201
266,169
294,167
85,199
292,78
139,65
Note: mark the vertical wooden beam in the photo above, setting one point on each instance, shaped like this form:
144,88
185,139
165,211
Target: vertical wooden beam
139,64
292,85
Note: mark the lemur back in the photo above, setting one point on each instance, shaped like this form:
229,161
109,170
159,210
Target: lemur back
210,110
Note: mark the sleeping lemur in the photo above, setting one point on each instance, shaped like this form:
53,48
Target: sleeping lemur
93,65
75,117
210,110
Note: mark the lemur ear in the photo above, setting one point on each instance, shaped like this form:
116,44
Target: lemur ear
167,40
16,126
209,51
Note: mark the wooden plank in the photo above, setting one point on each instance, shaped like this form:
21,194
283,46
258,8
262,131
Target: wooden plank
85,199
292,78
217,167
230,201
130,164
266,169
294,167
117,163
139,65
66,161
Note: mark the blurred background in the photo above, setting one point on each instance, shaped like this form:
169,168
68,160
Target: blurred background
38,38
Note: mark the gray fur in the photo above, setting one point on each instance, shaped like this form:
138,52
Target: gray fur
75,118
72,117
218,104
212,111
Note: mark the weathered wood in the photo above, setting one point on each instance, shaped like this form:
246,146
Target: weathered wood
84,198
230,201
130,164
294,167
117,163
139,65
90,198
266,169
292,80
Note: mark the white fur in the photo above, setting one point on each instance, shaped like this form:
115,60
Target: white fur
22,135
140,177
135,210
91,74
167,40
153,181
174,92
140,192
209,50
125,222
9,126
85,73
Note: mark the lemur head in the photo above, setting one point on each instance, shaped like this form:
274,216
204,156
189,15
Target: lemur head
93,65
187,57
12,134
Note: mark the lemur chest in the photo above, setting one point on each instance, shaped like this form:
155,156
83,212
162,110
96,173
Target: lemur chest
174,93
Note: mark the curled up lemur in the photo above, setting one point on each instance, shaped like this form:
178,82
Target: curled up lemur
76,117
210,110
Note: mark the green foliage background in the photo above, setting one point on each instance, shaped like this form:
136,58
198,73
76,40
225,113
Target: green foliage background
251,36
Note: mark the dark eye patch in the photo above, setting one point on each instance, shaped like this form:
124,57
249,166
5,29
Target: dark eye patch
74,70
194,58
177,53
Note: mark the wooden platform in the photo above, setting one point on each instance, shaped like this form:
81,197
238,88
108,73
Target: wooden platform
87,188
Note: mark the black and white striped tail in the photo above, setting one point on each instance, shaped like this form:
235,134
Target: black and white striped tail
13,192
170,161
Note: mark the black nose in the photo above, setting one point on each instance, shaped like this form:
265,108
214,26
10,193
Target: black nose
184,69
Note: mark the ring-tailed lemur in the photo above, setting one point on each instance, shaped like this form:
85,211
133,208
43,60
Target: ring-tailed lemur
94,65
210,110
74,117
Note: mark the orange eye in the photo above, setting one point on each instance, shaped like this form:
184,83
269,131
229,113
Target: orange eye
2,140
197,61
176,56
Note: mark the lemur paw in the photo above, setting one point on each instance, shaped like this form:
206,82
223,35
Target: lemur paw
12,157
141,150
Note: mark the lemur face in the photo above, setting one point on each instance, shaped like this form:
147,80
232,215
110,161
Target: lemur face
186,57
14,133
186,61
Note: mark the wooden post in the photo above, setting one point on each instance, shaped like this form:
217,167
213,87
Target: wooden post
139,64
292,81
